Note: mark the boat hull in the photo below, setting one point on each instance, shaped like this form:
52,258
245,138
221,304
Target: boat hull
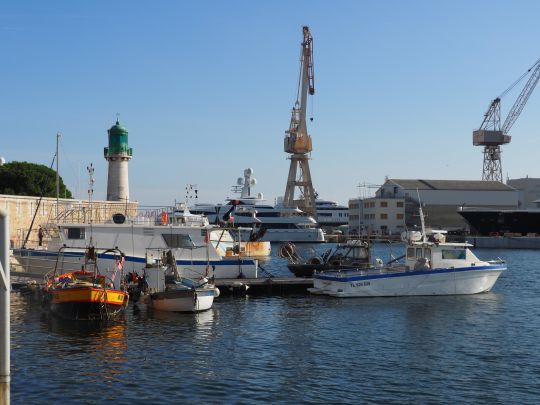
469,280
184,300
500,222
41,262
86,303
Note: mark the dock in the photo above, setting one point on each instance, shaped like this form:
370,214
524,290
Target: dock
227,286
263,286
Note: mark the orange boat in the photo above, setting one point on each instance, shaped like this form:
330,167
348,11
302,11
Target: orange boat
84,295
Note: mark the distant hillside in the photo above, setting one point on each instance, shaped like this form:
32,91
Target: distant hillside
30,179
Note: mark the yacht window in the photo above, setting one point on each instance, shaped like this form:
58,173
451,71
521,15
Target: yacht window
418,252
410,253
75,233
176,240
427,253
457,254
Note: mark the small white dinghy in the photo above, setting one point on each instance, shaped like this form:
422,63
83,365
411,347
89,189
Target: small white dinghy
185,295
168,291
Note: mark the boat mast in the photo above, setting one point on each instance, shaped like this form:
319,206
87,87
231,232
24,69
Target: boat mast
90,170
422,223
57,174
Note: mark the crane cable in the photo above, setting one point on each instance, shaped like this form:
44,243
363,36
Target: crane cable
504,93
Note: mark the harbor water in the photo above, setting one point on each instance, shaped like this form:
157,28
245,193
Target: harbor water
294,349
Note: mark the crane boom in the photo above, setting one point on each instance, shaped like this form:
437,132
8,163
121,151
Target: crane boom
491,134
523,97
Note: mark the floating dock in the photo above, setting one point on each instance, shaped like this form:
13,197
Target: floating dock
264,286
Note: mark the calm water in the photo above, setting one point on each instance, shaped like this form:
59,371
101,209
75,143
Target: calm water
481,349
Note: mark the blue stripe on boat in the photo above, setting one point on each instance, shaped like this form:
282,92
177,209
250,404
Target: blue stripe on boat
346,278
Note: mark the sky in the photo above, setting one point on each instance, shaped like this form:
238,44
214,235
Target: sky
205,89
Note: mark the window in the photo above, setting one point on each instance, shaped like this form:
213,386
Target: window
75,233
418,252
384,203
175,240
384,216
366,205
427,253
399,204
410,253
372,204
456,254
366,216
399,216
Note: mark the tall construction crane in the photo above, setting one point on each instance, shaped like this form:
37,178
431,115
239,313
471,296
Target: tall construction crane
297,141
491,135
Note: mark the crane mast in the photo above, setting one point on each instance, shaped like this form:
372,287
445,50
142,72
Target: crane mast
297,141
492,134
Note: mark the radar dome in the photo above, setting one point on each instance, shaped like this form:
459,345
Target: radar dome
248,172
253,182
240,181
260,196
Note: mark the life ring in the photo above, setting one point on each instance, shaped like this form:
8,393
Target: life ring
164,218
286,250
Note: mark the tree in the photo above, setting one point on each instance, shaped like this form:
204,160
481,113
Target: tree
31,179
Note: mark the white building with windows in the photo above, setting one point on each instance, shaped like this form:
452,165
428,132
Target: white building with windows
381,216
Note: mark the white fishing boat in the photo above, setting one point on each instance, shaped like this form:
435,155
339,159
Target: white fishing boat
200,249
432,267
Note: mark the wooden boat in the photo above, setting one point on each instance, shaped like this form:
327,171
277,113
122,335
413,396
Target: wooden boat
83,294
353,253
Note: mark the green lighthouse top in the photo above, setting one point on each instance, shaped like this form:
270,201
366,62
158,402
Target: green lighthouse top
118,129
118,142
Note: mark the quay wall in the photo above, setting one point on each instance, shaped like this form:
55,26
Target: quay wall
21,210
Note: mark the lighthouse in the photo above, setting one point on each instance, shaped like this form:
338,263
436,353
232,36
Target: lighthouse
118,154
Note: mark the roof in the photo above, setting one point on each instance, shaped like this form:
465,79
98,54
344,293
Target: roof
480,185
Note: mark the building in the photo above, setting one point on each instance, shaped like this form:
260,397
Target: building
440,200
529,191
377,215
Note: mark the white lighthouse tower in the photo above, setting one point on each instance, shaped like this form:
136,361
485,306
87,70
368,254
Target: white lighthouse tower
118,154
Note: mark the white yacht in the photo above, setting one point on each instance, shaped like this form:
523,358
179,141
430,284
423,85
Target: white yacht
274,223
330,214
200,248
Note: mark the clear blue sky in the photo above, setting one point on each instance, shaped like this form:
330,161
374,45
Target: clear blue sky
206,87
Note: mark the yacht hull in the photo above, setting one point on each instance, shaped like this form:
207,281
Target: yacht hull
41,262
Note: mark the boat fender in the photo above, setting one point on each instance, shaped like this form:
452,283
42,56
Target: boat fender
316,260
164,218
216,292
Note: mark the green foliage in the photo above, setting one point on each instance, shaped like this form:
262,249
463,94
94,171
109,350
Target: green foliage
23,178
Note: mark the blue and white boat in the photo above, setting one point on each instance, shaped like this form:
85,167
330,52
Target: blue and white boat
200,249
432,267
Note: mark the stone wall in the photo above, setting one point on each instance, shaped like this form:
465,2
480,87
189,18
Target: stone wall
22,209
